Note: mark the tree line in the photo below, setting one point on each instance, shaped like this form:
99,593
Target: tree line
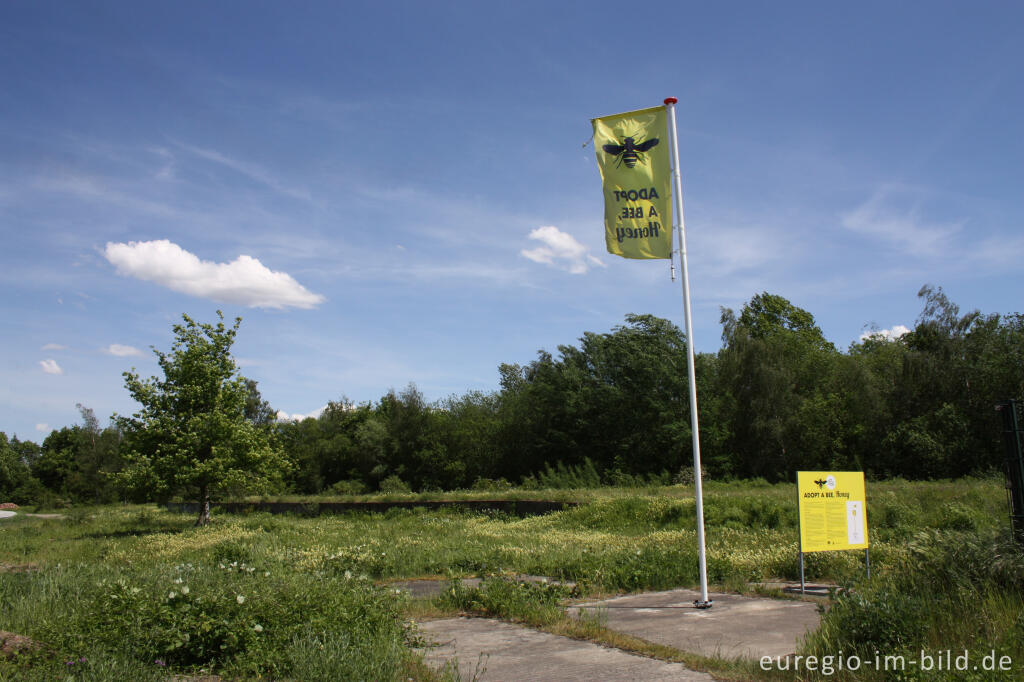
776,398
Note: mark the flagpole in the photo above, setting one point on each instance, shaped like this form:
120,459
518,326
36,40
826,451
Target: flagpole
677,191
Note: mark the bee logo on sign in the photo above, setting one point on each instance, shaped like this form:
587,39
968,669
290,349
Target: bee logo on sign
831,510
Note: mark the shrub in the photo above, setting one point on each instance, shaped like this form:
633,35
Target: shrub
491,484
394,485
350,487
571,477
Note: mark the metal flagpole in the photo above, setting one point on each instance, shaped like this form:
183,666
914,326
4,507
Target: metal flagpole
677,190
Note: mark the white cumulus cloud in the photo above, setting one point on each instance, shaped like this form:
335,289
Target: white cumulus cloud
286,417
888,334
42,428
121,351
560,249
244,281
50,366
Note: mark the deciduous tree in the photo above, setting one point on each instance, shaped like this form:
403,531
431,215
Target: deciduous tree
191,436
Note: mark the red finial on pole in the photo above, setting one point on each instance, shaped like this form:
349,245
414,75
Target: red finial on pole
670,100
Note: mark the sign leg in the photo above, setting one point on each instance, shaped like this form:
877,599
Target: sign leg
801,572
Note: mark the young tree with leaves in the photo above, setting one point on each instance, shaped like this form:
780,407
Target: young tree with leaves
192,436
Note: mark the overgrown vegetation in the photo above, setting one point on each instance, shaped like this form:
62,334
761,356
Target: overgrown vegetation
951,591
125,587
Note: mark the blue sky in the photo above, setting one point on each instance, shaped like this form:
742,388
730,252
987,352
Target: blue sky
365,184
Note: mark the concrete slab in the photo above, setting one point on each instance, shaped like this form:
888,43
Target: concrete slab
5,514
514,653
735,627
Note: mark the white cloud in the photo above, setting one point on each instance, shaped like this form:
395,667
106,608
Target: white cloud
560,249
245,280
285,417
51,367
885,215
888,334
42,428
121,351
54,346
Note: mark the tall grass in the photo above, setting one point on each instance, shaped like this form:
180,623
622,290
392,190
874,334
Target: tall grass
99,586
954,591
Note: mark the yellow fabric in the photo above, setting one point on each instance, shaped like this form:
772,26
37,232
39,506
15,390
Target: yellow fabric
833,510
633,156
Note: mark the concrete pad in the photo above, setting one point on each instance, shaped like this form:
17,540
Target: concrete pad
734,627
515,653
4,514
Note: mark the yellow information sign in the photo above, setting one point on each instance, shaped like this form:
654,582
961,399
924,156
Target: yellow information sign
833,510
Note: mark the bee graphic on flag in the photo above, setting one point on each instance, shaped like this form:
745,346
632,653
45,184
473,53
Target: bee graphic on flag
630,151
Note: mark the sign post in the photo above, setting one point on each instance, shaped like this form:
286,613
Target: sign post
832,508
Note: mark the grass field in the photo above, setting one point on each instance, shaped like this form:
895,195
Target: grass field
139,593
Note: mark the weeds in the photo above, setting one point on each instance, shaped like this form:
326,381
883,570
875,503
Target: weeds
107,591
537,603
951,591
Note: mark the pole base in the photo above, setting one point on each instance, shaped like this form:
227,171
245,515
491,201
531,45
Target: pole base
698,604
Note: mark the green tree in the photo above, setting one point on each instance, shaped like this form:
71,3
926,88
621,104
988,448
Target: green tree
619,399
16,481
768,316
418,453
772,374
191,436
76,461
471,432
257,410
338,445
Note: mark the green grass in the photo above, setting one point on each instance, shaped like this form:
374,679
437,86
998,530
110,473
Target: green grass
98,586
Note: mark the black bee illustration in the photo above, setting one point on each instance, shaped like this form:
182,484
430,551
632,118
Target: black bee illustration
630,151
821,483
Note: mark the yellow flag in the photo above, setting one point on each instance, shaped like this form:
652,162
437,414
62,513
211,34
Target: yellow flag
632,153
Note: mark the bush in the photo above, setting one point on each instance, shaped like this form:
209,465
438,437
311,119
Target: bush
394,485
956,516
572,477
351,487
490,484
